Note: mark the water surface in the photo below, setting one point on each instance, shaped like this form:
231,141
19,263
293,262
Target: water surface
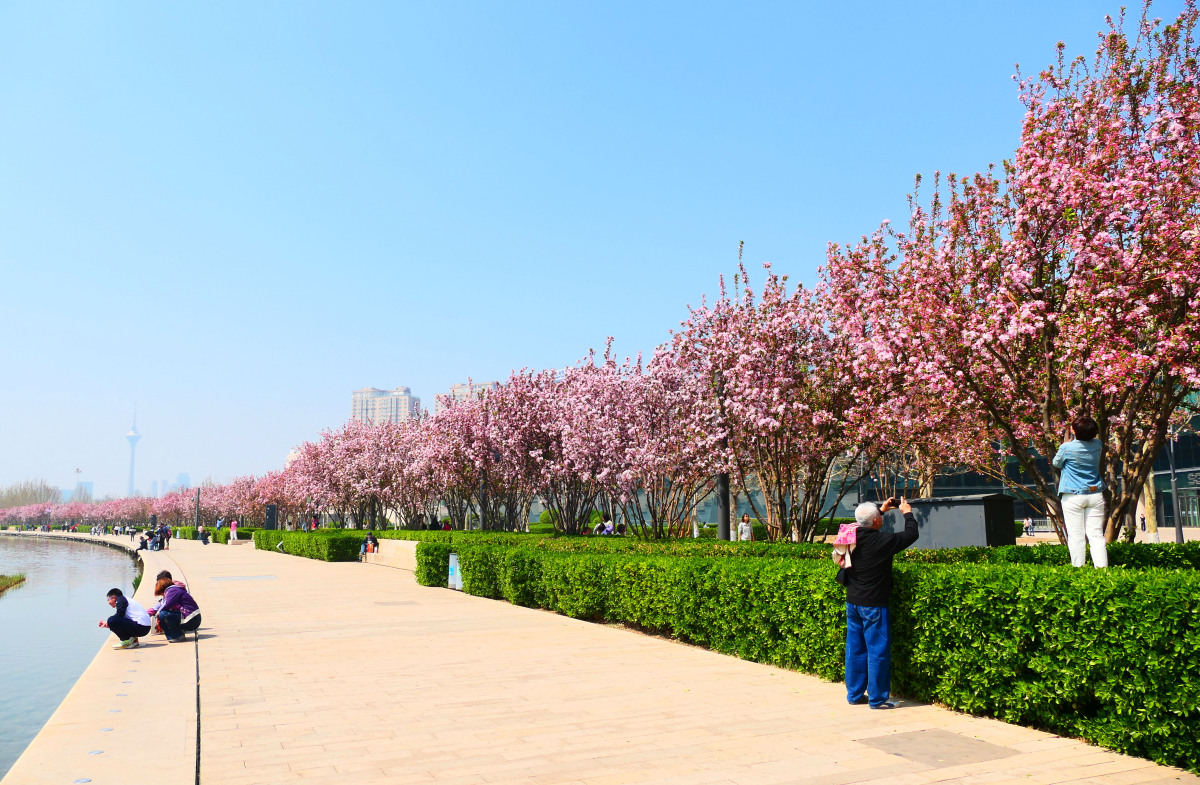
49,627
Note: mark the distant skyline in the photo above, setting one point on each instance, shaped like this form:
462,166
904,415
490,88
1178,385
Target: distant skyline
237,213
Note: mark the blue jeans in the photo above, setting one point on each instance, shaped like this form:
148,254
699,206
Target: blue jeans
868,654
173,626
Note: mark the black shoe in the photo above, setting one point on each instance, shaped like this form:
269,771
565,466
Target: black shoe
861,700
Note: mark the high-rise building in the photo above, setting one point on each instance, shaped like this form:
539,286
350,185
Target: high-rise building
461,392
375,406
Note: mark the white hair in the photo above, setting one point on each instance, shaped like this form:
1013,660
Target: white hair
865,514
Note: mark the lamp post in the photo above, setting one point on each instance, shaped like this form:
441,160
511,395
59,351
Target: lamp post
1175,492
723,500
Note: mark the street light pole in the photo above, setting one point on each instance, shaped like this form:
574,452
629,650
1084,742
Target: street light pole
1175,492
723,500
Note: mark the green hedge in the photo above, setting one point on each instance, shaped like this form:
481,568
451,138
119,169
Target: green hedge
1120,554
340,548
222,536
1077,652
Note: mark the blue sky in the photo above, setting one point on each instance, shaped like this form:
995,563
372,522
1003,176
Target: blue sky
237,213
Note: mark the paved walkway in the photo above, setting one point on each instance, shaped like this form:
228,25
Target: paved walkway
351,673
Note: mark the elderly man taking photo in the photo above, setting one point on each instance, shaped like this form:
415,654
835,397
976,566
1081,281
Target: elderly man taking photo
868,594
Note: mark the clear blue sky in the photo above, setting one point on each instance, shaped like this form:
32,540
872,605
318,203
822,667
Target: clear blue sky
239,212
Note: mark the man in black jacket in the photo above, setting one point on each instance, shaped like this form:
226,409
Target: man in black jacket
868,592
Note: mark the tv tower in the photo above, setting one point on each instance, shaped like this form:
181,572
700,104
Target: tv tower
132,437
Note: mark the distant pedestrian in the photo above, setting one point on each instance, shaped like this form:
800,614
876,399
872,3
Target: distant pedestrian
1082,492
1143,522
233,529
868,597
129,622
745,531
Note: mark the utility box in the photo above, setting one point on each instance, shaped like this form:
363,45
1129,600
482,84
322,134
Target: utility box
959,521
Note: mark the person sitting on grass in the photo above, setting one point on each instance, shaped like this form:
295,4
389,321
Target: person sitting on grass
130,621
177,611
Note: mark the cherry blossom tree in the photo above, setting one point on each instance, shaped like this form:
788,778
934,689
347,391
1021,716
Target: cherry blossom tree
784,397
1066,283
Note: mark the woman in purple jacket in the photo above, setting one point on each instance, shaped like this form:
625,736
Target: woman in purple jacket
178,612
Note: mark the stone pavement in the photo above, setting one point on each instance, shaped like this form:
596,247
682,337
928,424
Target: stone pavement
352,673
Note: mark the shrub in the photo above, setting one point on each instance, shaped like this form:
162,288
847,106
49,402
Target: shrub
244,533
433,563
336,546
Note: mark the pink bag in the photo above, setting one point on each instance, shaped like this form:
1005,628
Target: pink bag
847,534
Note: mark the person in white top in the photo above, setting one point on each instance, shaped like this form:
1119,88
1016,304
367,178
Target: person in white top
745,530
130,621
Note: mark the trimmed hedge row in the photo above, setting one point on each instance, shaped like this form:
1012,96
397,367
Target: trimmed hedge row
1132,556
222,536
1077,652
341,548
1120,554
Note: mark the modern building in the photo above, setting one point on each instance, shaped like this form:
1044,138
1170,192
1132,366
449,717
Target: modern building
461,392
1186,454
375,406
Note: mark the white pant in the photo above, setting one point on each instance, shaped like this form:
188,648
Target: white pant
1084,512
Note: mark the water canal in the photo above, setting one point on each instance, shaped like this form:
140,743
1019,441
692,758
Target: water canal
48,623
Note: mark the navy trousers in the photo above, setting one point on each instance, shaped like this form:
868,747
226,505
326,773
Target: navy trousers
125,628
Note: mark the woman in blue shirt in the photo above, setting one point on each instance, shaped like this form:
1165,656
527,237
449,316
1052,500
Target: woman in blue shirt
1081,491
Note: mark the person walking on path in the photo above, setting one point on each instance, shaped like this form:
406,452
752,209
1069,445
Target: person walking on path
868,595
128,623
1082,492
233,529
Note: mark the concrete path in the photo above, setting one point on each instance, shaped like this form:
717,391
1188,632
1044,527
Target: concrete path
352,673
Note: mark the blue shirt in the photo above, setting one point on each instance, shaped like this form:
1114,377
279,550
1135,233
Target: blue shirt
1080,464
